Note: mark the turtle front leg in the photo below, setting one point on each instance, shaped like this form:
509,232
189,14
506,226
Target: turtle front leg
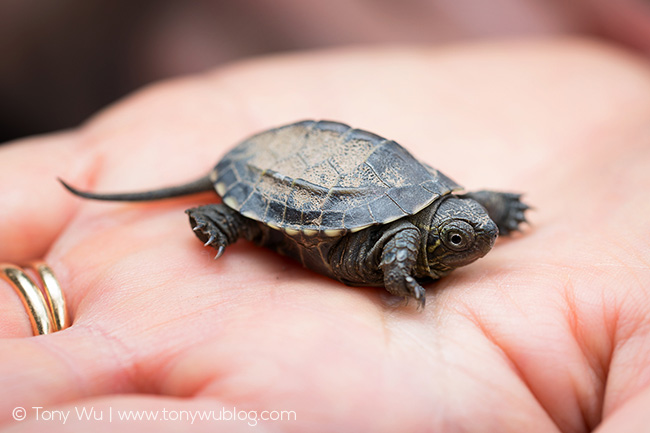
504,208
218,226
398,260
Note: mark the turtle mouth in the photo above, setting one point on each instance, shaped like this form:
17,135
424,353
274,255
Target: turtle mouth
486,236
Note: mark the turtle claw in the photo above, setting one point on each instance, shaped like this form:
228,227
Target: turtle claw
209,225
218,226
409,289
397,262
514,214
417,292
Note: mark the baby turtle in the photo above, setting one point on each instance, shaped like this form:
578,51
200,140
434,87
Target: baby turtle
346,203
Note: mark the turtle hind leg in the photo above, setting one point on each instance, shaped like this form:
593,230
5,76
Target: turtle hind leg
218,226
504,208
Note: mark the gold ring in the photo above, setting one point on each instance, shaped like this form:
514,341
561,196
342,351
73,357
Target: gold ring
46,305
53,295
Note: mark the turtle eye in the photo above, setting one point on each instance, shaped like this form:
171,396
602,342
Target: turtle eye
458,235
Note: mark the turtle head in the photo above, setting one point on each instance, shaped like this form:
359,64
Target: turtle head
460,232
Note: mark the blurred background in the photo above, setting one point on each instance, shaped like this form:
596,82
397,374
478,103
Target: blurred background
63,60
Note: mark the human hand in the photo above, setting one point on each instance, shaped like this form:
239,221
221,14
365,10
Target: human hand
547,332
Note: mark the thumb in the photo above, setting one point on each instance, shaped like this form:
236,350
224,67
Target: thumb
34,207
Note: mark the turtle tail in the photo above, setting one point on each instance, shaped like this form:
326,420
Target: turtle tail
199,185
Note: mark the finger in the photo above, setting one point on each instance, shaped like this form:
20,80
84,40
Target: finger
632,416
48,370
14,319
34,207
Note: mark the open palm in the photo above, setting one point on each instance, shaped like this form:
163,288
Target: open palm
546,333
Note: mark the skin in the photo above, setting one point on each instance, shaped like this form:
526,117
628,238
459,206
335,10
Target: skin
548,332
